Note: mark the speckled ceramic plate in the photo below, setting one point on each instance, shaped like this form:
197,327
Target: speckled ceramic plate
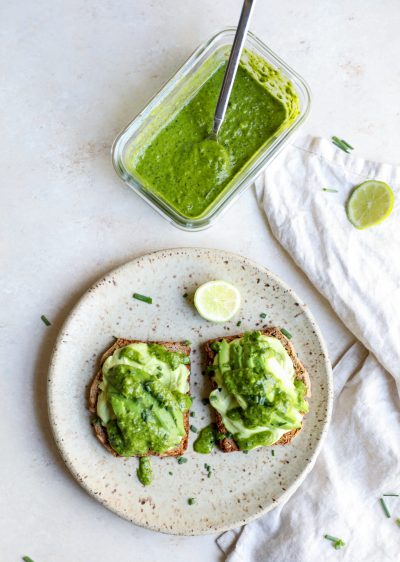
241,487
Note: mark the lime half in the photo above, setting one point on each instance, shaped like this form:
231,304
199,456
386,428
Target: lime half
217,301
369,204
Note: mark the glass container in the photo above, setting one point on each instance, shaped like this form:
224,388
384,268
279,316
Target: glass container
173,96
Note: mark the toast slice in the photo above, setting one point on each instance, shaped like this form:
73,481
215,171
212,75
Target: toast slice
228,445
94,392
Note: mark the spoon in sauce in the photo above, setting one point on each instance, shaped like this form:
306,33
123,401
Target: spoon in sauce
232,66
209,150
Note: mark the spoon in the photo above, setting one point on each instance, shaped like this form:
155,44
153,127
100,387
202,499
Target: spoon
232,66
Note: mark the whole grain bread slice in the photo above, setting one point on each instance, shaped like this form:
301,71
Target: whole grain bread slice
229,445
94,391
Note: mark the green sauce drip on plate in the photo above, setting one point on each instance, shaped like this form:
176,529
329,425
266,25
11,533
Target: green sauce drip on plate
145,472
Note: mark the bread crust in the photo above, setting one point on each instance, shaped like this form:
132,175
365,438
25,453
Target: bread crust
94,392
229,445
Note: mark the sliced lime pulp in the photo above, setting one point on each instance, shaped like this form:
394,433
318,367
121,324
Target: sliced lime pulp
217,301
369,204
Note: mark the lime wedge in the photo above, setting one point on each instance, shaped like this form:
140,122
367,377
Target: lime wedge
217,301
369,204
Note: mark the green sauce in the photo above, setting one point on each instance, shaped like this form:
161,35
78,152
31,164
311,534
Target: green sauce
143,399
257,396
172,359
208,438
144,472
188,170
205,442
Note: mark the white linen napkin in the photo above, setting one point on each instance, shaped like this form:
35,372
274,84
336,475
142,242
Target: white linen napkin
359,273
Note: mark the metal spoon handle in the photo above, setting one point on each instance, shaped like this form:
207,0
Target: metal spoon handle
233,63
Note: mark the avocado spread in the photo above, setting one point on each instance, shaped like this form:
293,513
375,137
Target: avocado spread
189,171
257,394
142,401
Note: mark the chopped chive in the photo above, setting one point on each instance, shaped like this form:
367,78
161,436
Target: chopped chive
209,474
273,453
142,298
170,473
181,460
187,342
185,295
192,414
336,139
347,144
245,452
384,507
342,144
342,147
238,323
330,538
207,466
45,320
286,333
329,190
394,495
263,315
191,501
205,401
337,543
27,559
193,428
398,521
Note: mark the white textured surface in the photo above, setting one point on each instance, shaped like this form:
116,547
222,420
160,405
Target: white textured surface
74,73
